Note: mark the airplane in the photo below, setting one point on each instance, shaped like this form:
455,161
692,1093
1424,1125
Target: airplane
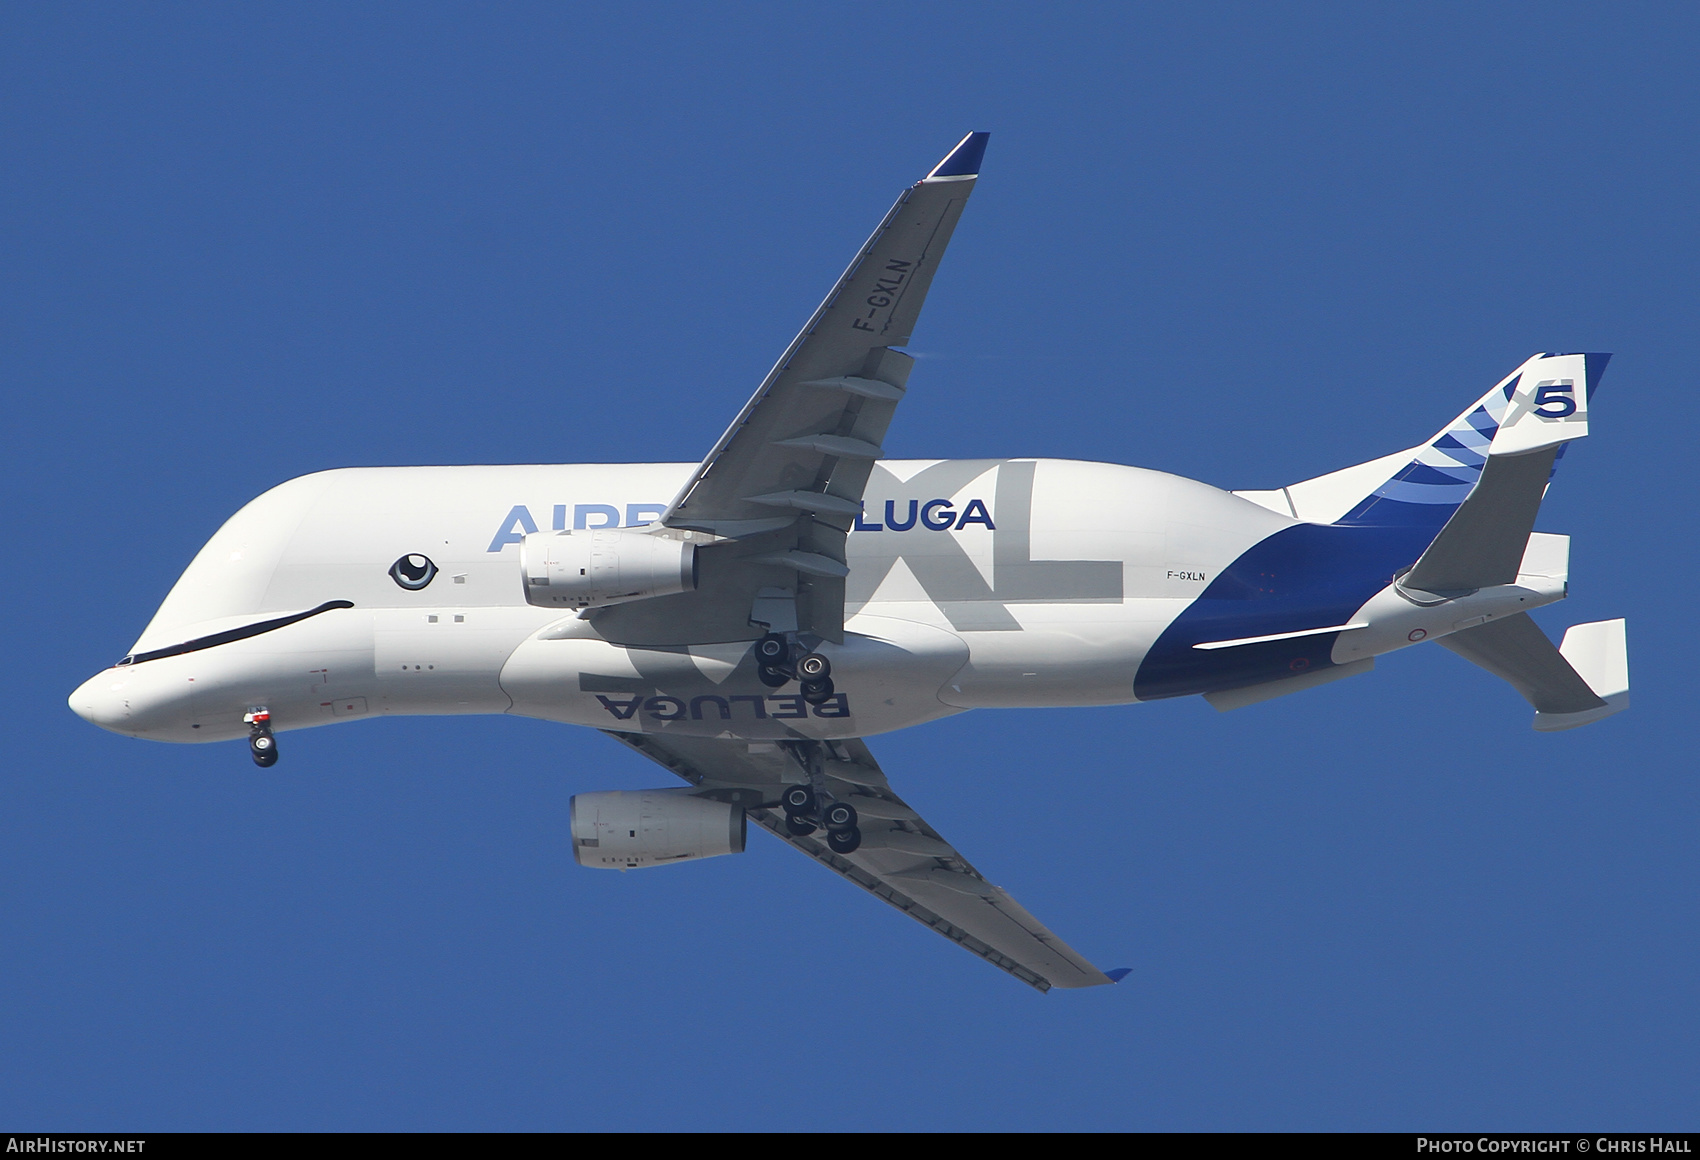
747,621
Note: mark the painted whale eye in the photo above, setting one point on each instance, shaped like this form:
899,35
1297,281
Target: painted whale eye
413,571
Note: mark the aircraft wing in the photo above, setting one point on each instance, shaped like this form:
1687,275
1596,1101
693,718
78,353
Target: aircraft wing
902,860
777,495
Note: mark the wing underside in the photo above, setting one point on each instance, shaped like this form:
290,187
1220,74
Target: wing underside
902,860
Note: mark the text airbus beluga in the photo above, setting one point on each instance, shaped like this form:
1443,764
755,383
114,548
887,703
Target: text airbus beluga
799,593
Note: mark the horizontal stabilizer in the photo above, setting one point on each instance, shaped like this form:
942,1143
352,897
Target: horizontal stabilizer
1483,543
1585,681
1599,652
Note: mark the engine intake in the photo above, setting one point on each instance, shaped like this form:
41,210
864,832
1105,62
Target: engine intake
596,567
623,830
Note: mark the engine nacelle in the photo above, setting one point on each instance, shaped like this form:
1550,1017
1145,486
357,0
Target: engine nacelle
595,567
623,830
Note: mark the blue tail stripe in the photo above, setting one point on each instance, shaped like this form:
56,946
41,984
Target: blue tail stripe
1300,577
1481,420
1460,451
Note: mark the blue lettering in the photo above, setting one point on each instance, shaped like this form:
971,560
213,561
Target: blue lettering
864,526
673,708
643,513
1555,395
621,710
934,522
655,705
839,703
891,515
583,511
720,703
976,513
560,521
509,533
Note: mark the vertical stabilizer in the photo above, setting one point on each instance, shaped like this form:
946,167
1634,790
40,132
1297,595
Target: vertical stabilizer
1547,404
1543,403
1482,543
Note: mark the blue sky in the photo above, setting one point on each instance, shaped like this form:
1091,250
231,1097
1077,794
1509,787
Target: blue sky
1248,244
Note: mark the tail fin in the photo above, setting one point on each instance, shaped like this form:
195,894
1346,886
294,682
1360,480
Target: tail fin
1541,404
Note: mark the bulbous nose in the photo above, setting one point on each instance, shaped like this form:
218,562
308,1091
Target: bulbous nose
102,700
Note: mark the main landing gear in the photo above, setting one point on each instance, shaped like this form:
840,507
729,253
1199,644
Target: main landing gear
781,658
804,815
262,746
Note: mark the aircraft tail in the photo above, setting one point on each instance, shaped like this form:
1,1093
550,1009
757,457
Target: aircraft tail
1464,503
1542,404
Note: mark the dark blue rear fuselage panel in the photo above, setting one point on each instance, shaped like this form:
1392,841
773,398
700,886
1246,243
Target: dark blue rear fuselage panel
1302,577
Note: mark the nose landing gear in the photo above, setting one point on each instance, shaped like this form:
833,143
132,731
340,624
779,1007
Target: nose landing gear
262,746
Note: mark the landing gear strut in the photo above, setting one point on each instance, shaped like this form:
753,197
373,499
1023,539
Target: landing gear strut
262,746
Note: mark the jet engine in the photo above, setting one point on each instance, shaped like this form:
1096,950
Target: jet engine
595,567
621,830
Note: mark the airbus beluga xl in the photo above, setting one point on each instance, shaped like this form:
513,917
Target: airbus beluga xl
747,621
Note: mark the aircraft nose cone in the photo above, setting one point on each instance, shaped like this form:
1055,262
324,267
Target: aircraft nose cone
101,700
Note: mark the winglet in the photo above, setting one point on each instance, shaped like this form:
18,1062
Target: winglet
1117,974
963,161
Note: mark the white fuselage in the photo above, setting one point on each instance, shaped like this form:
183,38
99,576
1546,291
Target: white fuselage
972,583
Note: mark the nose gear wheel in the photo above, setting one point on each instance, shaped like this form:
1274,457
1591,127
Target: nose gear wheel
262,746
